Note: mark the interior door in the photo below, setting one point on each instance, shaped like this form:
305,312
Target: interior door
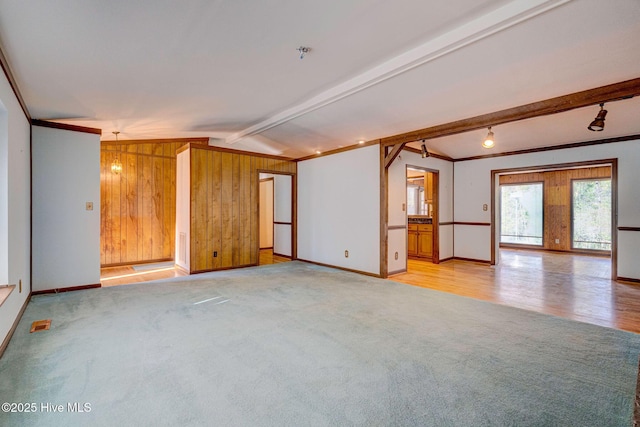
266,213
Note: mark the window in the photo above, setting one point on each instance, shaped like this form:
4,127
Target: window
412,199
521,214
415,199
591,214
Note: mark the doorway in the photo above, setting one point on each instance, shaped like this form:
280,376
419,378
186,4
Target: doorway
568,208
275,212
422,214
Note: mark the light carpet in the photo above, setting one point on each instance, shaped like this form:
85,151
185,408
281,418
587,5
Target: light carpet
295,344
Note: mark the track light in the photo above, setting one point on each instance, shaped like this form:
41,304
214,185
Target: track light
489,142
598,124
425,152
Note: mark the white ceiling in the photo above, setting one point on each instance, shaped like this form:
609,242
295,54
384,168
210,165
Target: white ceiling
230,70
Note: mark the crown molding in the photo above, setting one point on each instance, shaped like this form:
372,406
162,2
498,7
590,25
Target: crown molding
4,63
64,126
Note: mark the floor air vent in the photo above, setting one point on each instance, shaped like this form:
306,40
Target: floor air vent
40,325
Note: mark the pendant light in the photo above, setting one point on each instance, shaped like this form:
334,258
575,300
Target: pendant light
489,142
597,125
116,166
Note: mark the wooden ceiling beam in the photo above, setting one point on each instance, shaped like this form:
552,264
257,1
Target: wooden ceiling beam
390,157
585,98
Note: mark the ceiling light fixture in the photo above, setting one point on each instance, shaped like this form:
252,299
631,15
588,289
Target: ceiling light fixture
318,152
361,142
489,142
116,166
597,125
303,50
425,152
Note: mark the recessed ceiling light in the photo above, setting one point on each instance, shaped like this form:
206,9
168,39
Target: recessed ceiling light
318,152
361,142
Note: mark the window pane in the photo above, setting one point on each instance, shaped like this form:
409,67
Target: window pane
592,214
412,197
521,214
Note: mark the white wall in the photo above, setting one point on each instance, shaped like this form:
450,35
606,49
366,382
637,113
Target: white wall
339,209
183,210
4,195
14,204
473,189
66,236
398,196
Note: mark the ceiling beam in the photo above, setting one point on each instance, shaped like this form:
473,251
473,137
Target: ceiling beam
389,158
585,98
512,13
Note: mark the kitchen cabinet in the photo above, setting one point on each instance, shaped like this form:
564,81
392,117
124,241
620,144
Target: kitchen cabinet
420,240
412,240
428,187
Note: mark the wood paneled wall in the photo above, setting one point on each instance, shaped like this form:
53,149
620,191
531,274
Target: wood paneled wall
224,206
138,206
557,200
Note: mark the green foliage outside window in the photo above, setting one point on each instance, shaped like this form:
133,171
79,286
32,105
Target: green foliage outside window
521,214
592,214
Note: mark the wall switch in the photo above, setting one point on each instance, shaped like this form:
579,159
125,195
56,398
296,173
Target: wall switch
404,207
557,241
346,254
215,254
89,206
485,207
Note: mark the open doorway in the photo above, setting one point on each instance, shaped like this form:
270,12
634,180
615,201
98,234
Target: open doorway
275,207
559,209
422,214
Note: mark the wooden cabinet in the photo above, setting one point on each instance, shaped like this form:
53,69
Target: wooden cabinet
425,240
428,187
420,240
412,240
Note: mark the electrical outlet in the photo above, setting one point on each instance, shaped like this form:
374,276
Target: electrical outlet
404,207
89,206
557,241
485,207
396,256
346,254
215,254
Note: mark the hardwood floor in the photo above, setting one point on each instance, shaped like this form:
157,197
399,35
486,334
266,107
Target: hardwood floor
267,257
128,274
561,284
